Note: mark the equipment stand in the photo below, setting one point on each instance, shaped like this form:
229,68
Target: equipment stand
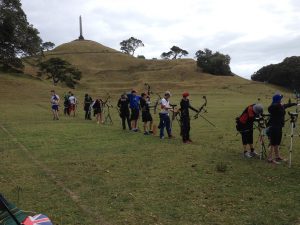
108,119
292,135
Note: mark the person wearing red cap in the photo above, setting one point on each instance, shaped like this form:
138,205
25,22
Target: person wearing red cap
185,117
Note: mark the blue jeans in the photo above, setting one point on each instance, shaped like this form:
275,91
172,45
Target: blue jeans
164,122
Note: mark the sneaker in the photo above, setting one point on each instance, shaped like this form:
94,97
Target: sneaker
273,161
190,141
162,137
253,154
247,155
186,142
150,132
171,137
279,159
146,133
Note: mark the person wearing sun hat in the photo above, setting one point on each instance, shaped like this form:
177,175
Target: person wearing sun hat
245,127
185,117
164,116
275,124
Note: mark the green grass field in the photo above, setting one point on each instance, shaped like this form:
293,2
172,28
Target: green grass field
78,172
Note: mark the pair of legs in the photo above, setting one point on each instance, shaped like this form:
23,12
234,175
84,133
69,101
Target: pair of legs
275,141
134,119
87,112
164,123
88,115
66,110
99,117
185,129
72,108
55,112
125,117
247,139
147,119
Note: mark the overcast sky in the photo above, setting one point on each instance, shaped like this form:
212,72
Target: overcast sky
254,33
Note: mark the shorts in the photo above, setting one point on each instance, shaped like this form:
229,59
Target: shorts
54,107
146,117
135,114
72,107
275,135
247,137
97,110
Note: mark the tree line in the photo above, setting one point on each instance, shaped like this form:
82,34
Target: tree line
285,74
211,62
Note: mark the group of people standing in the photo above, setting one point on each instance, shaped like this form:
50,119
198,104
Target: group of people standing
276,121
131,105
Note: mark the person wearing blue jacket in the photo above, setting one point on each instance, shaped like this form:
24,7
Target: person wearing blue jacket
134,104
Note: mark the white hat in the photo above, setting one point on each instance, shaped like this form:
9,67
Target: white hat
167,93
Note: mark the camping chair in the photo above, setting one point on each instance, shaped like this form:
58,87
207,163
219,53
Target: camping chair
10,214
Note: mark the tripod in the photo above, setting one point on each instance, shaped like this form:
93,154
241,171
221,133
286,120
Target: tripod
108,119
293,120
261,140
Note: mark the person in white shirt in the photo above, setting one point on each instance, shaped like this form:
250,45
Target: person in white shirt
73,103
54,104
164,116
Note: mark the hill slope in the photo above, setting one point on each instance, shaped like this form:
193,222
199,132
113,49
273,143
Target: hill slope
105,68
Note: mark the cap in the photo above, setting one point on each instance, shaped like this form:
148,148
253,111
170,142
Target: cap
185,94
258,109
277,98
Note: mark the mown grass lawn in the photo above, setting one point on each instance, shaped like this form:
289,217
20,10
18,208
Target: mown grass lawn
121,177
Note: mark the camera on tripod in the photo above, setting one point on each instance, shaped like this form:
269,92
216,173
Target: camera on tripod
262,120
293,116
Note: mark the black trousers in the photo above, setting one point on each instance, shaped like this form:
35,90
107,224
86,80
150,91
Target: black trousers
124,117
185,128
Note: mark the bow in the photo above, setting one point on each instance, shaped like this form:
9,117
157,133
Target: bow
203,109
107,99
150,92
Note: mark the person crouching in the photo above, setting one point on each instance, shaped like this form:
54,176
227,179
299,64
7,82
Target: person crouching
245,127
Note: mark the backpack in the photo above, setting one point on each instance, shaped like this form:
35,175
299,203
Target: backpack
238,124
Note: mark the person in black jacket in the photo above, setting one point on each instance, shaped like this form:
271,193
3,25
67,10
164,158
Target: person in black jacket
146,115
123,104
185,117
276,123
87,106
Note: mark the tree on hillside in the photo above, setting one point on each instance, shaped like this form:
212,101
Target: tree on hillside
285,74
213,63
18,38
175,53
60,70
130,45
46,46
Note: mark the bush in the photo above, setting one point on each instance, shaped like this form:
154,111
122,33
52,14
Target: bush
214,63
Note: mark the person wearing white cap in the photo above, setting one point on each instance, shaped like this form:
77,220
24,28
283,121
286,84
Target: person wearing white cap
164,116
245,127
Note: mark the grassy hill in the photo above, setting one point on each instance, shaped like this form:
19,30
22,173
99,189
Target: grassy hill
78,172
105,69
